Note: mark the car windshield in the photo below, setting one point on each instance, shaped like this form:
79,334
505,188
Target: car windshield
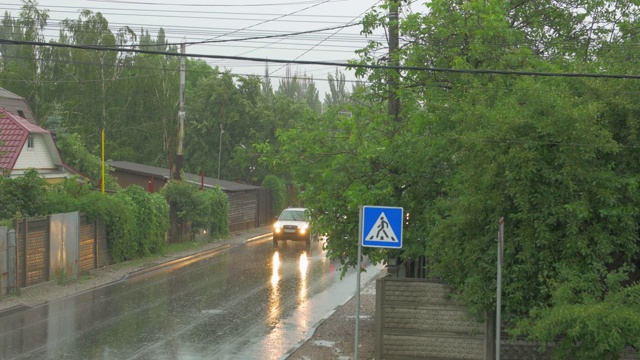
295,215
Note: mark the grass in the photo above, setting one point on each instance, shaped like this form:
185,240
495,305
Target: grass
183,246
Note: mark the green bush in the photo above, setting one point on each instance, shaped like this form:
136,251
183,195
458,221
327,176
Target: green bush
119,215
65,197
136,221
151,213
22,196
204,209
218,209
184,196
278,193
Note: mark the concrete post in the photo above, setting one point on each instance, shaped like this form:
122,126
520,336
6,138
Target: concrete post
13,271
4,271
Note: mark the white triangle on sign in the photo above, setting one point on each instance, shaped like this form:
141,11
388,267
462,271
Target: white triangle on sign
382,231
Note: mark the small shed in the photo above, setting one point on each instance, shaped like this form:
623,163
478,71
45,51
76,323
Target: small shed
249,206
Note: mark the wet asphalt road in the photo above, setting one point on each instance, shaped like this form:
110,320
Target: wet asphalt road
247,302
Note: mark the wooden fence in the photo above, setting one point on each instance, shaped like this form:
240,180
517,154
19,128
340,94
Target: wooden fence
34,241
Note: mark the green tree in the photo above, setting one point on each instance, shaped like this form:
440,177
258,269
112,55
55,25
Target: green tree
152,82
278,193
19,63
337,95
75,154
300,88
551,155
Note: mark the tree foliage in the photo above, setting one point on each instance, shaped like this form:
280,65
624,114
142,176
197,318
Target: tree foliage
136,221
75,154
152,218
206,209
22,196
278,193
553,156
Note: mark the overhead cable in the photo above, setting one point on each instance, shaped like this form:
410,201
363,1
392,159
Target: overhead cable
212,41
352,65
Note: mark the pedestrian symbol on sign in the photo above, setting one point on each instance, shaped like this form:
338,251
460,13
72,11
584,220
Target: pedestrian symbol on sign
381,231
381,226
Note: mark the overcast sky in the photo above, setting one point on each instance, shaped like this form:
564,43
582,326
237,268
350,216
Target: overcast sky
197,20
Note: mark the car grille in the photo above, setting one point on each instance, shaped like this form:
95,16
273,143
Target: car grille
290,226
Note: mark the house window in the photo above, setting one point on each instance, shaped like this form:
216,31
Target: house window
30,142
21,113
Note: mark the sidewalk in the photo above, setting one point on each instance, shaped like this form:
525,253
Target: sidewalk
334,337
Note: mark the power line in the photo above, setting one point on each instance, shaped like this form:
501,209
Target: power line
325,39
215,5
258,37
279,17
352,65
139,67
127,11
273,19
315,78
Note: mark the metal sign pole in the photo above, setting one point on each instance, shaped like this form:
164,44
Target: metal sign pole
499,287
358,281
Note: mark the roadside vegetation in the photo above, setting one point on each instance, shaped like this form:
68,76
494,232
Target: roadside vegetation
496,120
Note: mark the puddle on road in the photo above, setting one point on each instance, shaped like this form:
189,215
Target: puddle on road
324,343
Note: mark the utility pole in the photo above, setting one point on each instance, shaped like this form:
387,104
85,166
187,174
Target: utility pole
224,97
176,233
181,116
394,41
220,149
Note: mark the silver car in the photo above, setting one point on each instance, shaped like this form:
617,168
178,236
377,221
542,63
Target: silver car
292,224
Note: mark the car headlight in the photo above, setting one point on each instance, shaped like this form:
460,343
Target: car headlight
303,229
277,227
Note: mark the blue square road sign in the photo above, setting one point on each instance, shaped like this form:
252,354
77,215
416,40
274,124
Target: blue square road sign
382,226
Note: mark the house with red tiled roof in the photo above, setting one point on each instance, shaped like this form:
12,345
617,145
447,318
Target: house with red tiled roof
24,145
17,105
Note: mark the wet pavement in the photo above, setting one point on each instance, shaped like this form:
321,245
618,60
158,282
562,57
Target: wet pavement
246,302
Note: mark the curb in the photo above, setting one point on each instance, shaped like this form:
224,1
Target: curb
192,257
176,261
259,237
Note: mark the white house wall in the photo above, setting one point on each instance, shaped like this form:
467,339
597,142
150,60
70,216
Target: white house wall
37,158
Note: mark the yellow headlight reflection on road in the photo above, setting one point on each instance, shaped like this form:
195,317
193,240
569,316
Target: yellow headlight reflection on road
275,276
303,265
274,299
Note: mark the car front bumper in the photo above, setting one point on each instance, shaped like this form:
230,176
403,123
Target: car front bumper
295,236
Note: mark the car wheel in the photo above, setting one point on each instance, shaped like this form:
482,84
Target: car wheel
275,242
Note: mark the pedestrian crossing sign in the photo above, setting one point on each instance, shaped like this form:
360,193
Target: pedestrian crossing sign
382,226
